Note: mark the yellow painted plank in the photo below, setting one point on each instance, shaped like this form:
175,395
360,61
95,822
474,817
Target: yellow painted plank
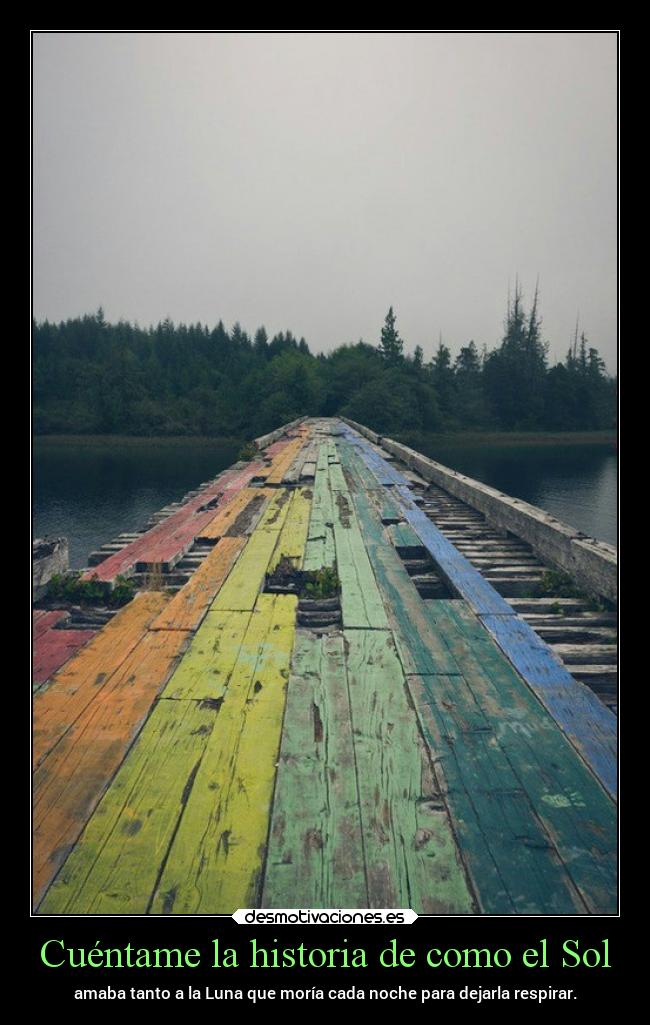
226,518
293,535
215,862
242,588
71,780
205,669
187,608
63,699
114,866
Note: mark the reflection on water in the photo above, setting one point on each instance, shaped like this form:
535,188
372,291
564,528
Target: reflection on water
93,492
576,483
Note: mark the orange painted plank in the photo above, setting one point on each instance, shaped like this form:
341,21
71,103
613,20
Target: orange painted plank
60,702
282,462
72,778
187,608
231,508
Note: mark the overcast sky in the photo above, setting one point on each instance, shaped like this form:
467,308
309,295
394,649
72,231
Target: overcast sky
308,181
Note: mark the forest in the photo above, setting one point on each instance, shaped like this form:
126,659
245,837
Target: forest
94,377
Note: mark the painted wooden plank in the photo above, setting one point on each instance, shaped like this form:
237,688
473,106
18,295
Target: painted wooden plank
361,600
215,862
282,462
513,864
575,810
59,703
533,658
588,724
421,648
172,536
236,514
44,619
293,536
319,548
411,855
114,867
315,856
204,671
72,779
403,536
53,649
241,590
189,605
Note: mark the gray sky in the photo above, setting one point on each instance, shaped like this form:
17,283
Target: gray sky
308,181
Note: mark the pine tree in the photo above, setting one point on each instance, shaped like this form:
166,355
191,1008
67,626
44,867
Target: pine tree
391,345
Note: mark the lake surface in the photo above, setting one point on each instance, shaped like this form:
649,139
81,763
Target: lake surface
576,483
92,491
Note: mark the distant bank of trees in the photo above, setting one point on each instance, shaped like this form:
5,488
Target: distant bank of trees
92,377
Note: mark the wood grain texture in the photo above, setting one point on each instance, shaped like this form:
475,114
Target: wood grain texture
293,536
315,857
114,867
53,648
59,703
242,588
73,777
205,670
189,605
229,513
215,862
411,855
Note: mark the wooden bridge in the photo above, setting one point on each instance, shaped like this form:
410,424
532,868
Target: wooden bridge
436,736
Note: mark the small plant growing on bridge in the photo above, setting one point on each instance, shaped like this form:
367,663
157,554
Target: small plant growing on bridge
321,583
558,585
69,588
248,452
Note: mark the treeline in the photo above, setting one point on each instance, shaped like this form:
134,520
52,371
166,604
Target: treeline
92,377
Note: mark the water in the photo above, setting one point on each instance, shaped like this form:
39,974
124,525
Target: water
92,491
576,483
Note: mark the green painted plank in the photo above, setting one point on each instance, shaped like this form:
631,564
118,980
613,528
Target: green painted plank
421,648
319,548
315,856
403,536
215,863
510,857
115,864
411,855
575,810
361,601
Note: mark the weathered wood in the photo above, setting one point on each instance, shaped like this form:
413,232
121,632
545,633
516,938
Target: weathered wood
53,648
58,704
215,862
242,588
205,670
114,867
73,777
315,856
293,536
411,856
361,601
189,605
231,513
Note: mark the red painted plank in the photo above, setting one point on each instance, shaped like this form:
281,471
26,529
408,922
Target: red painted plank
169,538
53,648
44,619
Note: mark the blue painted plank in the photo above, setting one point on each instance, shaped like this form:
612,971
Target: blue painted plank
586,721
